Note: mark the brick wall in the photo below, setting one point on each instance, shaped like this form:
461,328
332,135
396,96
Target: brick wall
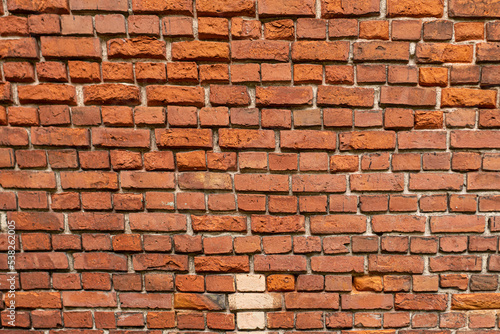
264,165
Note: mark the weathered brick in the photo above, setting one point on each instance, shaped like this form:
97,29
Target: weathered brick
175,95
474,301
304,51
281,96
455,263
18,48
294,300
436,53
461,8
405,224
261,182
457,224
308,139
90,221
260,50
47,93
270,224
182,7
89,299
111,94
422,140
376,182
396,263
27,179
338,224
104,137
89,180
70,47
42,261
152,261
193,138
33,221
466,97
426,8
235,264
52,136
426,302
408,96
229,95
367,140
337,264
367,301
381,51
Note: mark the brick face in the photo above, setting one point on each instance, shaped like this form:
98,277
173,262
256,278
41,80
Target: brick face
209,166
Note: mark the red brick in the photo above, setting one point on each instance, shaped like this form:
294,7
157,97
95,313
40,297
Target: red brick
464,97
103,137
311,28
339,74
27,179
44,24
438,30
117,72
416,9
409,30
331,8
279,30
144,25
23,47
138,47
308,139
111,24
19,71
406,224
294,300
89,180
337,264
229,95
320,51
260,50
70,47
175,95
177,26
111,94
338,224
155,221
346,97
429,302
343,28
245,29
198,50
381,51
367,301
436,181
279,96
396,263
455,263
408,96
422,140
435,53
374,29
376,182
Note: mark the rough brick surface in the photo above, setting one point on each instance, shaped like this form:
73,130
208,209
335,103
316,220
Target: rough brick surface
269,166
